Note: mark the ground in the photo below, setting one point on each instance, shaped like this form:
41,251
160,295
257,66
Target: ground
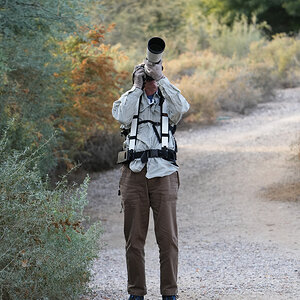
238,211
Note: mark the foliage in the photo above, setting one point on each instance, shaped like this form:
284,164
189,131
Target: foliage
46,251
200,92
137,21
262,80
189,63
237,91
58,72
211,82
281,15
100,151
95,84
29,91
234,40
282,56
229,90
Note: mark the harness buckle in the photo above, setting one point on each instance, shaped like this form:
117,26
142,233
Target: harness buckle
154,153
145,156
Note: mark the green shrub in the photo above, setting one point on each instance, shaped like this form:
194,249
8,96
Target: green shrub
234,40
237,92
263,80
46,243
281,56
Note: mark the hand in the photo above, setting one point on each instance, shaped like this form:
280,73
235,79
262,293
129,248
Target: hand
138,76
154,70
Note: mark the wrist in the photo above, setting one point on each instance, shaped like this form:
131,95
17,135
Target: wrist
137,86
161,79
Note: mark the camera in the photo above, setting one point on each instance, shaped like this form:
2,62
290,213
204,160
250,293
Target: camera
155,49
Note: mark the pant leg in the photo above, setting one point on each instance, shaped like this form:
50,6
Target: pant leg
163,199
134,192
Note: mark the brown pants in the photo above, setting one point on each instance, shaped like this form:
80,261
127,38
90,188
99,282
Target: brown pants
138,195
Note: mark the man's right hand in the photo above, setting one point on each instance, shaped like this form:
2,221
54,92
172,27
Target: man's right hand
139,76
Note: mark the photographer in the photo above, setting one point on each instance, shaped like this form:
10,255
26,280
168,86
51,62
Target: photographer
149,112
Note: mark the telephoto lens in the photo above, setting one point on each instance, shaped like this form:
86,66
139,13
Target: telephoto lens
155,49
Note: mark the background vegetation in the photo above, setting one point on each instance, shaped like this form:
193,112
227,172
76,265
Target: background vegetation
63,63
47,245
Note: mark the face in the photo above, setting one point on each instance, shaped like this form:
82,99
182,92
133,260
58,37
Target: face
150,87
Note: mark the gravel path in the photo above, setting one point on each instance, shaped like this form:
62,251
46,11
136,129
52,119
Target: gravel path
234,242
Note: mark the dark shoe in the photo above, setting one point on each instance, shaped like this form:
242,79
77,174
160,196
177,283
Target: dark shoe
132,297
169,297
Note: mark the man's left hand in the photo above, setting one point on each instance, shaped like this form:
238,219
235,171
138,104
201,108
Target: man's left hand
154,70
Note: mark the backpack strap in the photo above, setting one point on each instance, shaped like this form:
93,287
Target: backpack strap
164,121
164,124
134,126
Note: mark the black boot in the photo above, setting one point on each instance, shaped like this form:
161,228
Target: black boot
132,297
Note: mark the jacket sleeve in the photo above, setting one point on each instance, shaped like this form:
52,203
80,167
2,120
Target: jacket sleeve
125,107
177,104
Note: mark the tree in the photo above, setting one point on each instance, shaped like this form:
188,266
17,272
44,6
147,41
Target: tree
281,15
137,21
95,84
29,90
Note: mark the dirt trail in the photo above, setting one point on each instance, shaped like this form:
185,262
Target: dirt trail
235,243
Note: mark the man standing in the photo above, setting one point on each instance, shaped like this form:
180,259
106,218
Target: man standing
150,111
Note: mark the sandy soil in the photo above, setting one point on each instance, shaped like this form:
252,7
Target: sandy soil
238,211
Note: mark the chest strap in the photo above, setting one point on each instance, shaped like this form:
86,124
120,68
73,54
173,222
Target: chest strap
154,124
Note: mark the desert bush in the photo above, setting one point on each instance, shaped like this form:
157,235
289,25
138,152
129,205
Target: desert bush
46,243
211,82
237,92
263,80
281,56
200,92
100,151
228,67
234,40
229,90
204,62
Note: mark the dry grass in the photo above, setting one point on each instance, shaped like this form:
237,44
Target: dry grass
281,56
201,94
201,62
211,82
237,91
